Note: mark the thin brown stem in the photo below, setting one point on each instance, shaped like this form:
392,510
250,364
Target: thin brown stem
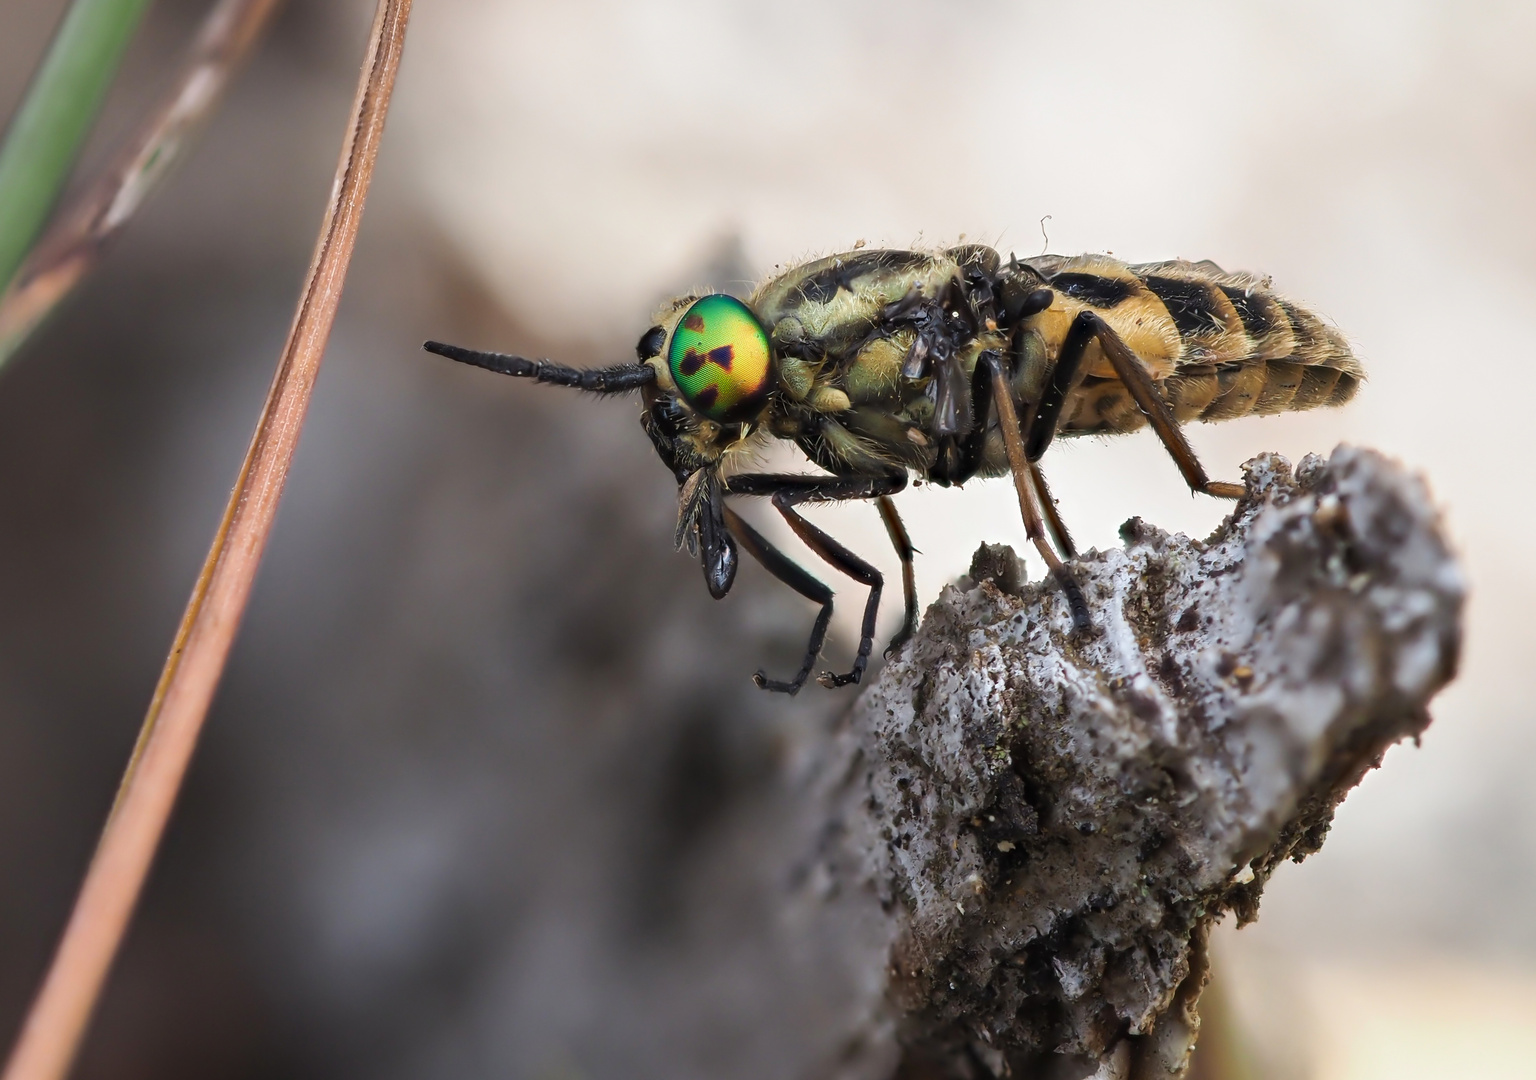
63,1006
68,250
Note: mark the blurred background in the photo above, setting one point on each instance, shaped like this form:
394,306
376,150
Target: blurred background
487,790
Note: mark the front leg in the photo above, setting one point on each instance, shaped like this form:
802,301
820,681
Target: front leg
795,576
788,492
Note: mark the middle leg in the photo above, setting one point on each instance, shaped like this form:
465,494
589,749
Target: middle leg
1059,534
1023,482
904,551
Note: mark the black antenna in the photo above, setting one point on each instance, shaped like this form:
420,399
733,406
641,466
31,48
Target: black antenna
610,380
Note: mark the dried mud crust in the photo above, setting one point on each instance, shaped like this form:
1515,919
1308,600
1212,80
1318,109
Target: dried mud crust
1052,822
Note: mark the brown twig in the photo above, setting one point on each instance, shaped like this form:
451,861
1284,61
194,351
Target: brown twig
69,250
176,712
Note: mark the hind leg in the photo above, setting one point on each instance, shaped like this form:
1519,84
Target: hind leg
1086,327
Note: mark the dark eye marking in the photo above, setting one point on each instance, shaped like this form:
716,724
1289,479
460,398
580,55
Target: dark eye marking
651,342
705,399
1100,292
721,356
694,322
1193,307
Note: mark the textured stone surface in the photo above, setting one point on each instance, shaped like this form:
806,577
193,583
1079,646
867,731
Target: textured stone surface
1050,824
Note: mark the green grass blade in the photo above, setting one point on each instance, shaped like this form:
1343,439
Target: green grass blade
45,134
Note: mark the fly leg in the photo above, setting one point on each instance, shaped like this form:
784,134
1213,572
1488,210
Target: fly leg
1042,415
904,551
1058,528
975,445
1023,481
792,574
837,555
788,492
1040,420
1143,391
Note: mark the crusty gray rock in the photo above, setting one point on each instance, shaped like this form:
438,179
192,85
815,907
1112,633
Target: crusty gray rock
1051,823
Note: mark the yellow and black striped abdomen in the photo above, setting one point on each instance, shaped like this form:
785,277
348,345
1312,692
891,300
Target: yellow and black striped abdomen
1219,345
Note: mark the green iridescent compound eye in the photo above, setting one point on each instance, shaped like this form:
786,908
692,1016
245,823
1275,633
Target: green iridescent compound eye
720,359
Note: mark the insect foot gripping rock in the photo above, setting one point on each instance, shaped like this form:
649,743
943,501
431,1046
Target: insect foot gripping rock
1051,824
